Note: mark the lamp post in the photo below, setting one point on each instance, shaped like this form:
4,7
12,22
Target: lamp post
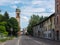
11,31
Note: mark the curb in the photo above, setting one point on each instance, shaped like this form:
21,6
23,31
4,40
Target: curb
3,43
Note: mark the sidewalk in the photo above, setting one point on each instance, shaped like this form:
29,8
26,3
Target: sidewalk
2,43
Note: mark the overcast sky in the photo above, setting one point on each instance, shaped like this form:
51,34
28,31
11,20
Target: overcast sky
28,7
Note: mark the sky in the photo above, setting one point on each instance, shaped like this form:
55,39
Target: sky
28,8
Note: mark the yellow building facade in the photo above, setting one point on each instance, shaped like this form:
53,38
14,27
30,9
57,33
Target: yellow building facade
46,28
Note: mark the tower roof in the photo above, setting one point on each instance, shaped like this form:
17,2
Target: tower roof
18,10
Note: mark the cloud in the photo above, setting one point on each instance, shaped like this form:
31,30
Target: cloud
30,10
29,7
9,2
12,14
24,21
16,2
14,6
36,2
44,4
24,18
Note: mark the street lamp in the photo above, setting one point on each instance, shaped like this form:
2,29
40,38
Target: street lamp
11,31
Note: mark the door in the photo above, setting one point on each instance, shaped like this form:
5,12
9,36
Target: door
38,33
57,35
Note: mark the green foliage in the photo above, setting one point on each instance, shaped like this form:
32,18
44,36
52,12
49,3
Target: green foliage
2,29
3,23
7,23
14,24
35,19
6,38
6,16
3,40
5,33
1,18
29,30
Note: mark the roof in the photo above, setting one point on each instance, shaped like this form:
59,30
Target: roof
17,9
44,19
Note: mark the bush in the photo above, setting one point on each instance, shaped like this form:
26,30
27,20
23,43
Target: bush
5,33
2,29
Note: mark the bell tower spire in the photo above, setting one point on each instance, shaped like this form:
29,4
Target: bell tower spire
18,17
18,13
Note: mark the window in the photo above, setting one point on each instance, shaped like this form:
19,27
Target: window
54,20
57,8
49,35
57,19
40,25
51,21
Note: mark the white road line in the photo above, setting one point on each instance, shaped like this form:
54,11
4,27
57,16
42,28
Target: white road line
41,43
38,42
19,40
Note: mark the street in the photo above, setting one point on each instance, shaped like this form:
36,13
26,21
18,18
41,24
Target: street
28,40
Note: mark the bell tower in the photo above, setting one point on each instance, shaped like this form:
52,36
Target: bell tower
18,14
18,17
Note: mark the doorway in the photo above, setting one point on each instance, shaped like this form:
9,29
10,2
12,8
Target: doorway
38,33
57,35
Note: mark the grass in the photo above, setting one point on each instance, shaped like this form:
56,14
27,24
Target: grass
5,39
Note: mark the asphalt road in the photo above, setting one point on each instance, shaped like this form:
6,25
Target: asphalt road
28,40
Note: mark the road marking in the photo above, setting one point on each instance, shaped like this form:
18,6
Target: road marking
19,40
36,41
41,43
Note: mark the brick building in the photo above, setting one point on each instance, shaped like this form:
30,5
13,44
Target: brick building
50,27
57,19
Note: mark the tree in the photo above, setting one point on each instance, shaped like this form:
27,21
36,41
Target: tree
3,29
35,19
14,24
1,18
6,18
2,25
6,15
